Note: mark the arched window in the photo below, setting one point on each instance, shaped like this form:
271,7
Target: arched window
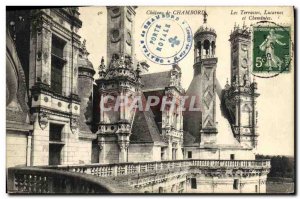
199,48
206,46
246,116
213,47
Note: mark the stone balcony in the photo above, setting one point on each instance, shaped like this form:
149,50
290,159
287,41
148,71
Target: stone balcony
32,180
139,175
119,169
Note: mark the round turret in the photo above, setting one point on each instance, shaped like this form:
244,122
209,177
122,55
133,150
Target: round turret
204,41
85,66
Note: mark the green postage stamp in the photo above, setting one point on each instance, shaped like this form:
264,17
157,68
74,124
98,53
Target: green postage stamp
271,49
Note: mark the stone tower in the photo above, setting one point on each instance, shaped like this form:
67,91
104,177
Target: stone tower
118,81
240,96
205,64
120,29
53,75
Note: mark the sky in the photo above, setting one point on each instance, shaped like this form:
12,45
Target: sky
276,101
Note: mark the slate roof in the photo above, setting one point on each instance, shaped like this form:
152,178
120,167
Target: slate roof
156,81
144,128
85,63
188,139
192,120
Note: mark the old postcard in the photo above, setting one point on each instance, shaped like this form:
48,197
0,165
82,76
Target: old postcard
142,100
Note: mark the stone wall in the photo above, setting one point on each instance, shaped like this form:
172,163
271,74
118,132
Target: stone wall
255,184
84,151
143,152
16,148
109,153
219,154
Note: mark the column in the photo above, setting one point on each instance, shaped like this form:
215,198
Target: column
28,152
67,72
179,155
237,114
169,155
74,67
40,49
123,145
102,152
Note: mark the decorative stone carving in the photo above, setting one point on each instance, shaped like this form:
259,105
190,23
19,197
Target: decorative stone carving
123,145
128,40
101,144
43,120
74,124
115,12
115,35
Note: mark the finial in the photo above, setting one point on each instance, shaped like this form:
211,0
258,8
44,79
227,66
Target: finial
84,51
102,60
102,65
138,67
175,59
205,16
84,43
244,25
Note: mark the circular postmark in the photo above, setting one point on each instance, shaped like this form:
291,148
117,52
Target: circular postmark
272,49
165,39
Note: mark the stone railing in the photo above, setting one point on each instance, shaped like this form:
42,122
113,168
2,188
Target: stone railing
233,163
37,180
128,168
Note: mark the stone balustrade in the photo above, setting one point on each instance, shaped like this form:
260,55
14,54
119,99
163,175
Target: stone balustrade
48,181
126,177
129,168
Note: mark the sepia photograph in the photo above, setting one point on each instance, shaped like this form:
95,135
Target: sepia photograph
164,100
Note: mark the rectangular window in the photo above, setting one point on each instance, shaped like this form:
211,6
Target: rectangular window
55,143
162,153
55,131
256,188
160,190
190,154
231,156
55,154
236,184
193,183
58,46
57,63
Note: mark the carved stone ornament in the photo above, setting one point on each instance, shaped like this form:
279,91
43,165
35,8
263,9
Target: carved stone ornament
43,120
115,35
123,145
100,144
74,124
115,12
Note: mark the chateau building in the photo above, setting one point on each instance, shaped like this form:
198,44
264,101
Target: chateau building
55,117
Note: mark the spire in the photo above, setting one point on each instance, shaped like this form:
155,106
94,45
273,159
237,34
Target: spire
244,26
227,86
84,51
102,65
138,70
175,60
102,69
